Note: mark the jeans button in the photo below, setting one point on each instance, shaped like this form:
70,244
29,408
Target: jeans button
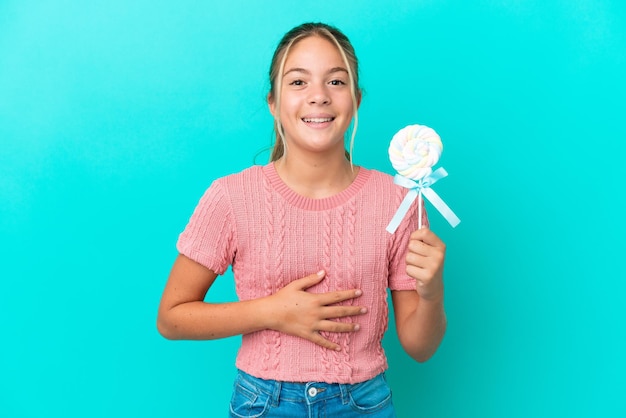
312,392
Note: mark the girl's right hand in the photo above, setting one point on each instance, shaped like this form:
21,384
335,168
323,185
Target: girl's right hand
304,314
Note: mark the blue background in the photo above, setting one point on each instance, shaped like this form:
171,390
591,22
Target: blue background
115,116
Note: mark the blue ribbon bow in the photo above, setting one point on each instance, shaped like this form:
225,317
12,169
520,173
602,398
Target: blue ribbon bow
419,188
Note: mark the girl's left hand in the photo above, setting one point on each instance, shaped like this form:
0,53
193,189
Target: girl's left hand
424,262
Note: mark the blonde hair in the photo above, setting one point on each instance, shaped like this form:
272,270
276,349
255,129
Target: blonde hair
277,67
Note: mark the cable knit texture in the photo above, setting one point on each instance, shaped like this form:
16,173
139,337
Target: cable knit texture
271,235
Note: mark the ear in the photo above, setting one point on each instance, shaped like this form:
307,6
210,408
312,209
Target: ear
359,96
272,104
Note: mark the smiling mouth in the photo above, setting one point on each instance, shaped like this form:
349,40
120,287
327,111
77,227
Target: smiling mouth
317,120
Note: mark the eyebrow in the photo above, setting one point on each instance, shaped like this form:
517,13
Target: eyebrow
305,71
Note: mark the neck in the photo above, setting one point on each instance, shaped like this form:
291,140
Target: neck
316,177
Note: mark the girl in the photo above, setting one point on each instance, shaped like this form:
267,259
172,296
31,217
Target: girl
305,236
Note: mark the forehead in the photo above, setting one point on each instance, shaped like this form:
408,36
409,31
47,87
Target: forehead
314,51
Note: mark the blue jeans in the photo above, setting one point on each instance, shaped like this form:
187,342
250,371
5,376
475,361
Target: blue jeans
254,397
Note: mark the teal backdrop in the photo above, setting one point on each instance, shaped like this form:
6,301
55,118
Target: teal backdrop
116,115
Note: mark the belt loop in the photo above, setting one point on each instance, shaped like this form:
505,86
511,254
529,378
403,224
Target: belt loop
276,393
345,391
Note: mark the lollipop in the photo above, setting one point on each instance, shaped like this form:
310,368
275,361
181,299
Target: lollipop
413,151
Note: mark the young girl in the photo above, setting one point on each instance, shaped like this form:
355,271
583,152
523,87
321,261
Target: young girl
305,236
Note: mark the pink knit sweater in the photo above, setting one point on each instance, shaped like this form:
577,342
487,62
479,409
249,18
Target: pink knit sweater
270,236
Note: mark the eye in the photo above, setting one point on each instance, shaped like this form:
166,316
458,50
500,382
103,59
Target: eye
297,83
337,83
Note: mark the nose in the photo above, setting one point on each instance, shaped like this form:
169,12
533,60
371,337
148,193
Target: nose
319,95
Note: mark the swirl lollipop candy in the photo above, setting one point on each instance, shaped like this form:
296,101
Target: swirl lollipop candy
413,151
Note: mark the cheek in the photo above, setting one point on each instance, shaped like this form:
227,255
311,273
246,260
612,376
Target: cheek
289,105
346,103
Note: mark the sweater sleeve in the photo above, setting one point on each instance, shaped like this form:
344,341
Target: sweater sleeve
398,278
209,237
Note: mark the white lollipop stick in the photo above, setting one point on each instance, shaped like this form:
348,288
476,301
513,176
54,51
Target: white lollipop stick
420,202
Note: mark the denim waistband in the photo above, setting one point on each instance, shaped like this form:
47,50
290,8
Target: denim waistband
309,392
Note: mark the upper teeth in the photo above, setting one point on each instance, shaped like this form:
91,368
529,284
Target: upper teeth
317,120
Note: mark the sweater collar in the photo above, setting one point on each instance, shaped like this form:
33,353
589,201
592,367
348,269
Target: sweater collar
308,203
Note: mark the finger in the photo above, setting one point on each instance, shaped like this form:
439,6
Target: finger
308,281
418,247
330,298
418,273
331,312
424,258
336,326
424,249
316,338
415,259
428,237
424,264
335,312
